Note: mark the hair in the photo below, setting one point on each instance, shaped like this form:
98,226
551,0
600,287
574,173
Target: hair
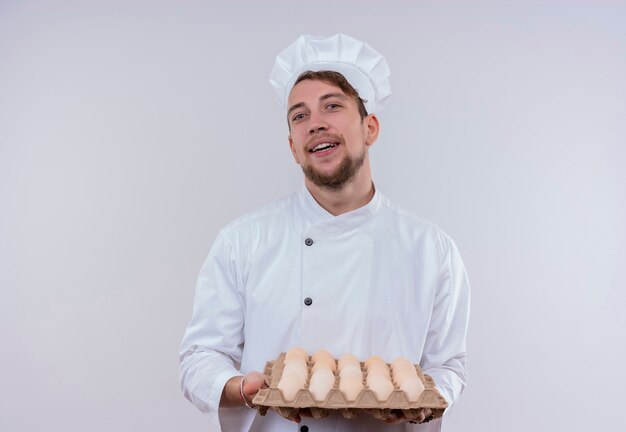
337,79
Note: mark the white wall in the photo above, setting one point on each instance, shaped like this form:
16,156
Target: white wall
130,132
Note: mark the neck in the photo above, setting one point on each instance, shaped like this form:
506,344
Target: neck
353,195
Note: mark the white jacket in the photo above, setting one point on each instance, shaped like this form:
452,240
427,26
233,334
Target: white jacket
381,283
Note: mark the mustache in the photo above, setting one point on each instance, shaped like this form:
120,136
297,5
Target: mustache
323,137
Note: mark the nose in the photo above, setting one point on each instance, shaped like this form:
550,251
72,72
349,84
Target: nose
317,124
317,128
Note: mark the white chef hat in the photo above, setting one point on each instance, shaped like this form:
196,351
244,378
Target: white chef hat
364,68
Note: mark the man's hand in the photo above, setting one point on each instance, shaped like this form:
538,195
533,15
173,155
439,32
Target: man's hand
394,417
397,416
294,414
231,396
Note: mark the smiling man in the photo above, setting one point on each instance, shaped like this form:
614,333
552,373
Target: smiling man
335,266
330,133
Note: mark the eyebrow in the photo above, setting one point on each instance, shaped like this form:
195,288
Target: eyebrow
295,107
323,97
330,95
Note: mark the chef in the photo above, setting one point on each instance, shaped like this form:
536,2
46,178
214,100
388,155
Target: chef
334,266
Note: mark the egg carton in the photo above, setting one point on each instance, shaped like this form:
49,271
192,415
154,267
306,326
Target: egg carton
272,397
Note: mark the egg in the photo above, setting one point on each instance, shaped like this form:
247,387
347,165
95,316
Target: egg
346,359
402,373
321,383
399,376
380,369
289,385
351,386
321,354
380,386
401,362
296,367
376,375
324,372
298,353
350,367
413,388
296,360
404,368
325,363
351,375
374,360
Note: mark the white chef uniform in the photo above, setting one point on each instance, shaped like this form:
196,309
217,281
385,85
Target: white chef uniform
373,281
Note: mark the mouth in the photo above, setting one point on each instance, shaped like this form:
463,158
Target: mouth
323,146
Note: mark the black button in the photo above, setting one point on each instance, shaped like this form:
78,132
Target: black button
304,428
308,242
308,301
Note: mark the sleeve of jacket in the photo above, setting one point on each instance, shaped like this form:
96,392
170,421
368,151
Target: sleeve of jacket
445,347
210,353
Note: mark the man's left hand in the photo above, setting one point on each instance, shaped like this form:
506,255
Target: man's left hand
397,417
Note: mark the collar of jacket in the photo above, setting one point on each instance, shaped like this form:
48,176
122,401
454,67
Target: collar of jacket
320,223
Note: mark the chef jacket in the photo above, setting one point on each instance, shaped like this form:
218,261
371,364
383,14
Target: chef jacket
373,281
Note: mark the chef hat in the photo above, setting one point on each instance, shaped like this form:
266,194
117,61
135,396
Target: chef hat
364,68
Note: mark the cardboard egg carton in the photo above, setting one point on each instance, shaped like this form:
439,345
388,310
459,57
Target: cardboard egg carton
272,397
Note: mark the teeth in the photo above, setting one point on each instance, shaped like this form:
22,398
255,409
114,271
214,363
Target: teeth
322,146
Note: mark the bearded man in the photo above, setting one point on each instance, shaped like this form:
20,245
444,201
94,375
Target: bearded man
334,266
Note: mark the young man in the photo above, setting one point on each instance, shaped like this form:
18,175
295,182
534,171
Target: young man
335,266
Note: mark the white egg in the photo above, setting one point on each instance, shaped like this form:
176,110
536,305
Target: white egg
296,360
402,369
401,362
413,388
297,352
289,385
321,354
376,375
320,384
405,368
351,375
347,358
325,363
296,367
374,360
351,386
402,375
380,369
325,372
350,367
380,386
399,376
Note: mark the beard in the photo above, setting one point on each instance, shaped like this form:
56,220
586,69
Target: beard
345,172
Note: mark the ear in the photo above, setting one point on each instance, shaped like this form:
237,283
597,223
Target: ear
372,129
293,149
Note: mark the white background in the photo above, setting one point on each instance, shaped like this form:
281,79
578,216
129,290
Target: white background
132,131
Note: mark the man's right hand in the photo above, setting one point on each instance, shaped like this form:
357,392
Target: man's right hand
231,396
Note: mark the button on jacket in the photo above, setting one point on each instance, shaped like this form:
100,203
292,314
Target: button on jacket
373,281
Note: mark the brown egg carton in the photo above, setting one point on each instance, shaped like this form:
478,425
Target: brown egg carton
272,397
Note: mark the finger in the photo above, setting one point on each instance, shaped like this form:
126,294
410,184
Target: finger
428,415
305,412
395,418
420,417
253,382
289,413
378,413
266,384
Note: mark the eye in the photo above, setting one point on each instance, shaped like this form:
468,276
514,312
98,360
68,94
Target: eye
333,105
297,117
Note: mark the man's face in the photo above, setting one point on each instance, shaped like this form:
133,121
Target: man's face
328,139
